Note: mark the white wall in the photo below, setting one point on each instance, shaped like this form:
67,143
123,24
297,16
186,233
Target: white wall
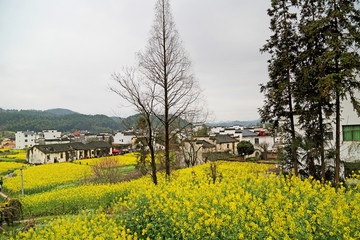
121,138
262,139
350,151
24,139
51,134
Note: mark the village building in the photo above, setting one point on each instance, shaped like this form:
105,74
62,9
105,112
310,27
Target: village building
124,140
86,137
54,153
30,138
224,143
25,139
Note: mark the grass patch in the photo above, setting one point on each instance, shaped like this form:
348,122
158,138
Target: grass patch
351,167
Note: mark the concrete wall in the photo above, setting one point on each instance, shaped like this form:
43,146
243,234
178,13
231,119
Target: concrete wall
121,138
24,139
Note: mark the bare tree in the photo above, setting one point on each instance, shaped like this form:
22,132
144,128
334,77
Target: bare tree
166,66
141,96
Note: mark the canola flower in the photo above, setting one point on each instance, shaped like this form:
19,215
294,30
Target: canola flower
44,177
15,154
126,159
245,202
71,199
5,166
86,225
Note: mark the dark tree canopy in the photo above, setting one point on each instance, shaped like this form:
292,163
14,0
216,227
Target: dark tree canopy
245,148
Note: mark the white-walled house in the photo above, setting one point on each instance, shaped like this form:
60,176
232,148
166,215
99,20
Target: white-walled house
123,138
30,138
25,139
350,133
51,134
53,153
260,140
216,130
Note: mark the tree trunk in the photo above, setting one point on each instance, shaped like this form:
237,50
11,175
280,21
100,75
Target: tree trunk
293,136
322,148
166,105
152,153
337,141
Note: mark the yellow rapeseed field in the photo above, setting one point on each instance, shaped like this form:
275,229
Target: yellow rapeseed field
86,225
14,154
43,177
126,159
5,166
245,202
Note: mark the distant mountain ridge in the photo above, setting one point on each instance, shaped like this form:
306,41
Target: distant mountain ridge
60,111
235,123
60,119
66,120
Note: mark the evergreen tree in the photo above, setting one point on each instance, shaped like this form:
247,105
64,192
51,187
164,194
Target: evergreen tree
313,105
341,60
283,47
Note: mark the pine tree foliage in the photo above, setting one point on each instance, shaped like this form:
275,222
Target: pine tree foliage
282,46
314,66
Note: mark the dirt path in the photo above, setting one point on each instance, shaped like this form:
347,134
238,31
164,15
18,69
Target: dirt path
4,195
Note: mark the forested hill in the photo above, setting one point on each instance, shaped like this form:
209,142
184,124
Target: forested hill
60,119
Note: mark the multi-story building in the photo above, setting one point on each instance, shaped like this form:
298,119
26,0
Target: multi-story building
30,138
25,139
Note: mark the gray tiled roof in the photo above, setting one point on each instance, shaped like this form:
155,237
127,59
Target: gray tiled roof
247,133
55,148
205,144
224,139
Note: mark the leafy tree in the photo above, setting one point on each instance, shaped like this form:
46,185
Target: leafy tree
245,148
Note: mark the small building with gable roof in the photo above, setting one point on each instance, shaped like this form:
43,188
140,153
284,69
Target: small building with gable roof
53,153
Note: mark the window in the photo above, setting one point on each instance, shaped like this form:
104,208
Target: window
256,141
329,136
61,155
25,140
227,145
351,133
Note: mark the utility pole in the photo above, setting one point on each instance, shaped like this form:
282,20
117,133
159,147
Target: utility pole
22,183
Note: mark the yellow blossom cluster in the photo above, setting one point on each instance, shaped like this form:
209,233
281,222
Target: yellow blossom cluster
15,154
126,159
73,198
44,177
245,202
5,166
86,225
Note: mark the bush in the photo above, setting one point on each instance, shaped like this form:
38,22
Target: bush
106,171
245,148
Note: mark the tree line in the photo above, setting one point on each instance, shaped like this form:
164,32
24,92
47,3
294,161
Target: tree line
38,121
313,67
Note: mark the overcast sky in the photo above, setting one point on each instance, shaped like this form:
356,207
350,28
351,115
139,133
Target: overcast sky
61,53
